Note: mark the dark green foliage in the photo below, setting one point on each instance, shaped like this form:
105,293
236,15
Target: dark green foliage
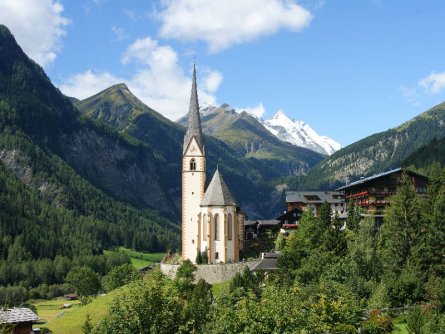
52,214
415,320
119,276
87,327
204,256
400,232
353,220
197,311
378,323
246,282
84,281
344,329
428,156
156,305
198,259
331,277
185,276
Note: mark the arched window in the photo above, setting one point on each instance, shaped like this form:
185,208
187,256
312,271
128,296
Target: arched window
215,219
204,227
192,164
229,227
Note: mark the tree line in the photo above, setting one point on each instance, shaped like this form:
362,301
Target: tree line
332,278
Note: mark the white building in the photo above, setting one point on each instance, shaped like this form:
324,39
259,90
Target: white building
211,219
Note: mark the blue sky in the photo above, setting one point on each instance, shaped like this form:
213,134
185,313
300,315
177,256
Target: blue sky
349,68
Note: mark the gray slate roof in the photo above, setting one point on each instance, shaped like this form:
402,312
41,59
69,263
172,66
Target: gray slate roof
300,196
217,192
366,179
16,315
270,222
194,120
267,263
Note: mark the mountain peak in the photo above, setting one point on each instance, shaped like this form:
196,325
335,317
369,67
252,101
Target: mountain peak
300,134
280,114
120,86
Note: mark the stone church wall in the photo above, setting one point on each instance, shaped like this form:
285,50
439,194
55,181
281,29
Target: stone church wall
211,273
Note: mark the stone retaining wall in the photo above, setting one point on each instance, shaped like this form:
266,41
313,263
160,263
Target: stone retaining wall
211,273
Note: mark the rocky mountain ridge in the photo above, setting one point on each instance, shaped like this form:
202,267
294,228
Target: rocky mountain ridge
300,134
251,165
294,132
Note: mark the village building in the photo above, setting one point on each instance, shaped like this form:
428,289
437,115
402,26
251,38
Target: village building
17,320
211,219
312,200
255,228
373,194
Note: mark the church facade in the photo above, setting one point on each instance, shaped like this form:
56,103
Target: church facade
212,223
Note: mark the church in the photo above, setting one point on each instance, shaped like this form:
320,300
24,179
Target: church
212,223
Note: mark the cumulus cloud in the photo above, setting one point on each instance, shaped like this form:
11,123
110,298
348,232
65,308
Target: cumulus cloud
86,84
38,26
257,111
159,81
433,83
223,23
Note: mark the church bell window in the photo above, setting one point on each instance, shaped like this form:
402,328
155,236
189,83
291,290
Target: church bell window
192,164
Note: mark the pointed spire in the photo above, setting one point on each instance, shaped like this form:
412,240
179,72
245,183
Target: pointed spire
194,120
217,192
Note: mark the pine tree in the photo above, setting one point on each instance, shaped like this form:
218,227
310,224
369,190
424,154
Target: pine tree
87,327
401,228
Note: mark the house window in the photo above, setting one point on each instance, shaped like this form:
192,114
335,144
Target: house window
204,227
216,255
229,226
215,219
192,164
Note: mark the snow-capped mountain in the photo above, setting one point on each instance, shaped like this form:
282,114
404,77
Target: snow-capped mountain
300,134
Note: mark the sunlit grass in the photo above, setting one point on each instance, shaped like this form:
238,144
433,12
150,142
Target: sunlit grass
72,320
140,259
219,288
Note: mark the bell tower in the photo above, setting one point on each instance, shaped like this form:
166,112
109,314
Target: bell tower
193,177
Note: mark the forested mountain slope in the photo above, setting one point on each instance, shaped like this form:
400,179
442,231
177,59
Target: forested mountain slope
428,158
68,183
251,177
377,152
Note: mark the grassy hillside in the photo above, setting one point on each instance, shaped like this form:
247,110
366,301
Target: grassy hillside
139,259
70,321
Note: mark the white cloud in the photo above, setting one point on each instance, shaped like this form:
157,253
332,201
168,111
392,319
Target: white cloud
86,84
434,83
224,23
257,111
159,80
37,26
211,81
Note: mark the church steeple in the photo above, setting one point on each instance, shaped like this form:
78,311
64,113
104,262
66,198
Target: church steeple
194,119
